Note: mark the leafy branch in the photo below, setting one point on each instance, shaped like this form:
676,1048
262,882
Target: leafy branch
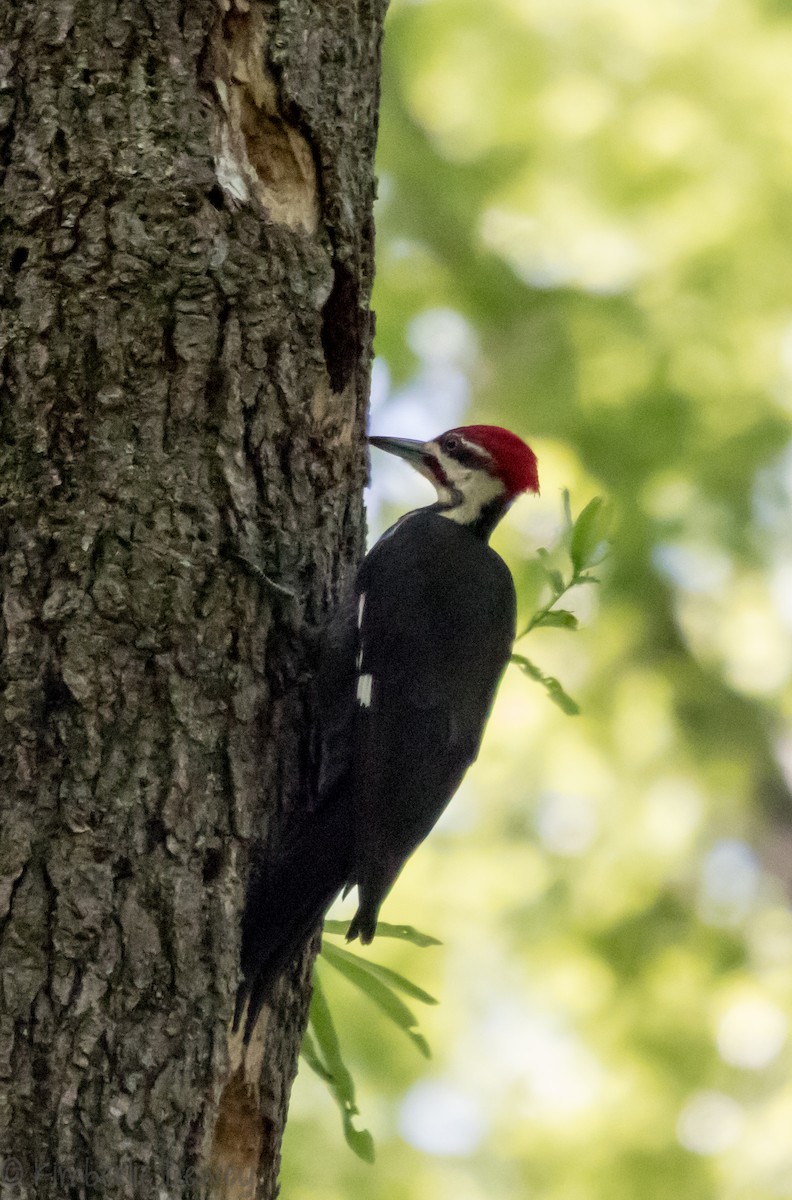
324,1057
587,548
321,1049
549,682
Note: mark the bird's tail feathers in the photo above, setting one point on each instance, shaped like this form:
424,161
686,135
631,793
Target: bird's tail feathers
363,925
373,887
287,898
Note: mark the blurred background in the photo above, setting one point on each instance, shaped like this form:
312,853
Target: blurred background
585,234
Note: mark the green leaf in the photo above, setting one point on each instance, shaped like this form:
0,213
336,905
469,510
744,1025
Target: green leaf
328,1064
560,697
567,508
554,577
381,995
338,927
392,978
557,618
527,667
556,581
311,1055
406,933
587,534
554,689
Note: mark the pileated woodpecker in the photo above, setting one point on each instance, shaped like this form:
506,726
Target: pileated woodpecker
408,669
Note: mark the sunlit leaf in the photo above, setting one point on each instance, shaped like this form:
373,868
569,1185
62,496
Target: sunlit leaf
558,618
554,689
567,503
311,1055
324,1057
391,978
405,933
380,993
552,574
527,667
556,581
588,535
557,694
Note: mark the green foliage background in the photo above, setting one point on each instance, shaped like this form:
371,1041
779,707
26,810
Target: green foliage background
585,233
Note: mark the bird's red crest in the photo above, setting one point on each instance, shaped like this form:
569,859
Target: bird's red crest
512,460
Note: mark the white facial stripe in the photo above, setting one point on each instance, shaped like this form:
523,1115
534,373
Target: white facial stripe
476,493
478,450
364,690
469,489
460,476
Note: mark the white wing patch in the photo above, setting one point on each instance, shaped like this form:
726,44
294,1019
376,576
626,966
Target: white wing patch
359,664
364,690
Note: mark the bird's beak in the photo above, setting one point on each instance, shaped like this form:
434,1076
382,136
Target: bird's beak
413,452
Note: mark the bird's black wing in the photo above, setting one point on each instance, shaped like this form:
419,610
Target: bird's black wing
291,887
436,610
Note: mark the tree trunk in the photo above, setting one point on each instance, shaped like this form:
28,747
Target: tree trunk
186,244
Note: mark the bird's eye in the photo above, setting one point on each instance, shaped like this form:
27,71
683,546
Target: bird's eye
451,443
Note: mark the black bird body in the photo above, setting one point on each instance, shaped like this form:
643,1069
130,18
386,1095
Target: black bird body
428,701
409,666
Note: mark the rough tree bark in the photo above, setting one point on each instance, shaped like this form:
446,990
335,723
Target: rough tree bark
186,245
